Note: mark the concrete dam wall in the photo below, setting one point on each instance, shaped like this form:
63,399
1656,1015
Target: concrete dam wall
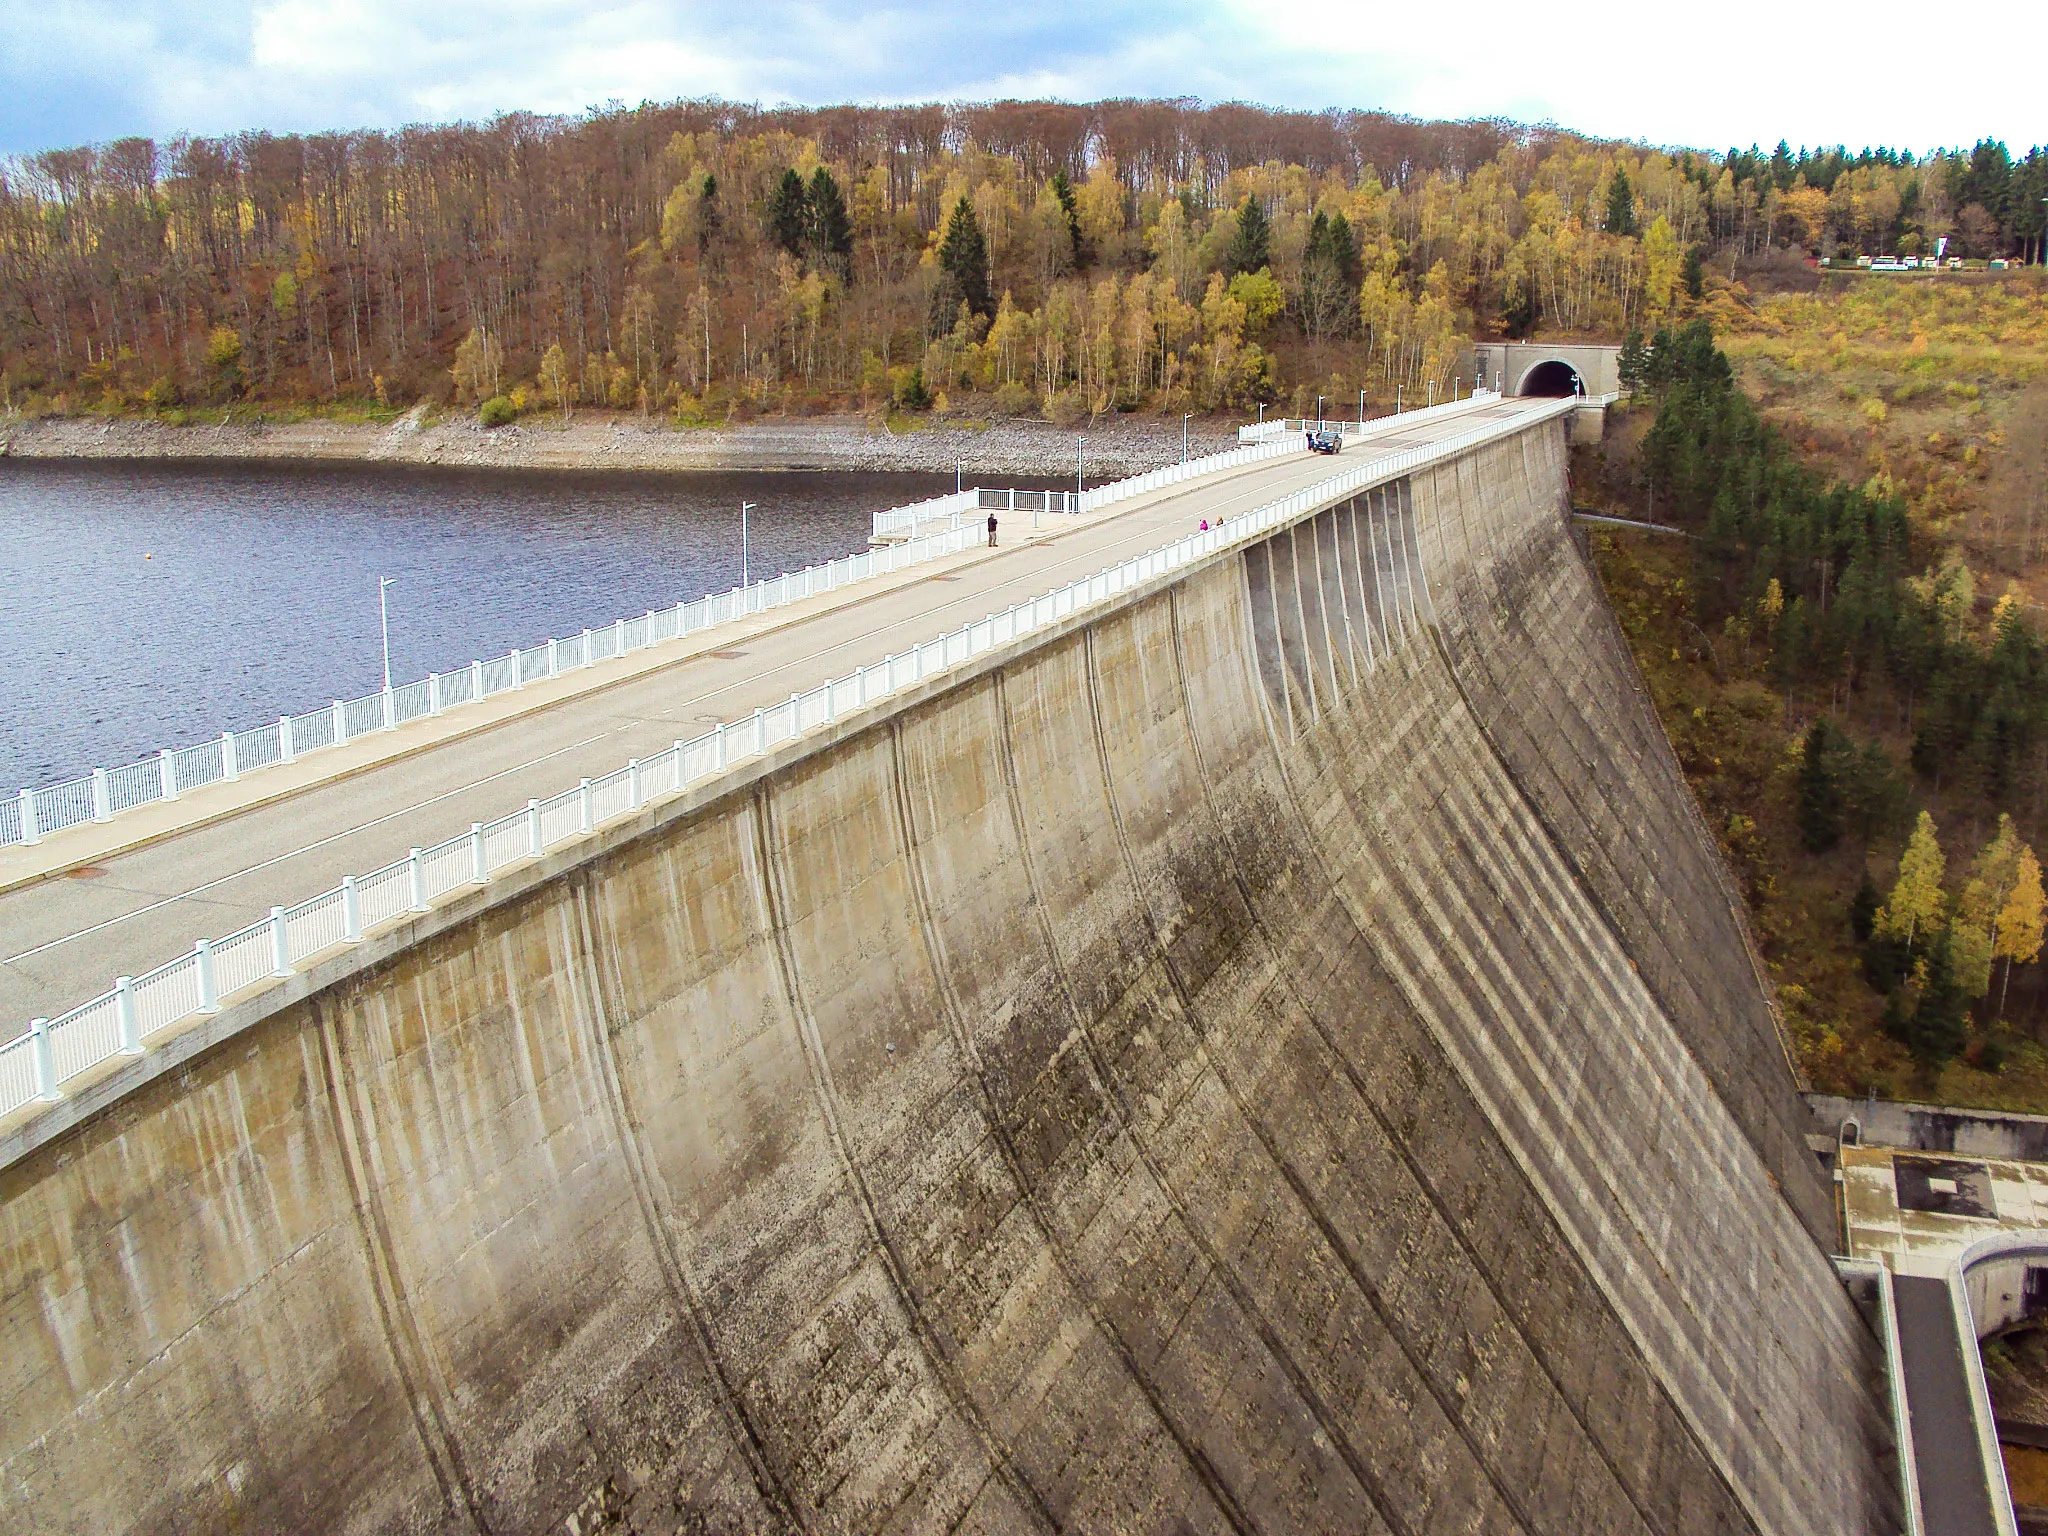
1278,1056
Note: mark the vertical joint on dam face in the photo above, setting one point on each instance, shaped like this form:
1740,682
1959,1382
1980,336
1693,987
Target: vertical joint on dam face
1277,1054
1334,596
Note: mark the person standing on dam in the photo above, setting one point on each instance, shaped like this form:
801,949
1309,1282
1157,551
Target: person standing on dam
991,530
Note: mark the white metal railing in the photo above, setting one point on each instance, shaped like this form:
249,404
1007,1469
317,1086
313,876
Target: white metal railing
951,508
36,1063
1260,431
902,522
32,814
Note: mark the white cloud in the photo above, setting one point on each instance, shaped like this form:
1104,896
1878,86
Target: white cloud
98,69
1881,72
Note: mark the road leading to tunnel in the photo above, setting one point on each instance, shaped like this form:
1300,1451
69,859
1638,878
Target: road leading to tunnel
68,938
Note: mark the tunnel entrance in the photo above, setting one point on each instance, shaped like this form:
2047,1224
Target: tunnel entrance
1552,379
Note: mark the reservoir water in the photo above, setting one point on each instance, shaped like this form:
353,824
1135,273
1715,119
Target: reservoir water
153,605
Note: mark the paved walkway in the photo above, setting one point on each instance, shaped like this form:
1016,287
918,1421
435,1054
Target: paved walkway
67,937
1954,1496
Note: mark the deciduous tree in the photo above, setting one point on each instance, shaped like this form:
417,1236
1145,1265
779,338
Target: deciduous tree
1913,910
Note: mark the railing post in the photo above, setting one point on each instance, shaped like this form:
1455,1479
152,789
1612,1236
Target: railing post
533,842
583,806
476,682
340,723
202,961
351,910
478,871
287,748
45,1062
831,710
633,798
390,709
416,877
280,944
228,767
124,1016
760,733
619,634
554,656
433,693
589,659
518,669
170,774
102,806
30,832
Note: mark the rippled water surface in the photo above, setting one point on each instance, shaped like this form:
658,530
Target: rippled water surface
150,605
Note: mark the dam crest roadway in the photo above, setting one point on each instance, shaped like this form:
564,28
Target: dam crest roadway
1268,1046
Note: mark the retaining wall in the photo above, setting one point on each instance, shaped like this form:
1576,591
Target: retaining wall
1257,1061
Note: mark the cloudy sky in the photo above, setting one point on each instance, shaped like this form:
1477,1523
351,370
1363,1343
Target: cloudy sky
73,71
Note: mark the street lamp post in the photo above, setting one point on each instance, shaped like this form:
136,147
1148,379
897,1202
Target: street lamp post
1361,410
1190,416
1397,399
1077,472
384,584
1319,413
745,541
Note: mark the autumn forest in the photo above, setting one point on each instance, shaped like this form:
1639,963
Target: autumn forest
700,260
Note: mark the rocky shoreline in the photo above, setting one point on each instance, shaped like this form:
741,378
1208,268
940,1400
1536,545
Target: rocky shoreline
1113,447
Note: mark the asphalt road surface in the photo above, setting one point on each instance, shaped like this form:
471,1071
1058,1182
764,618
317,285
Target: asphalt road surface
65,939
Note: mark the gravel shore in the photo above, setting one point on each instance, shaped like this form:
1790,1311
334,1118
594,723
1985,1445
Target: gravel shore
1128,445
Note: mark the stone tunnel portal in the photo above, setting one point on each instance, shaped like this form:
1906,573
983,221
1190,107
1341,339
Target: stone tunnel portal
1552,379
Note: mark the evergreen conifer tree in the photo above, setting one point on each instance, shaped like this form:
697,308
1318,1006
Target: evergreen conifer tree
1251,243
828,231
1819,789
963,268
1634,362
1342,246
1694,274
1863,907
709,219
1063,189
1940,1022
1518,311
1621,204
789,214
1328,296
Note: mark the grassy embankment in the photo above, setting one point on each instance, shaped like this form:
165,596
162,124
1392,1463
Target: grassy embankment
1937,391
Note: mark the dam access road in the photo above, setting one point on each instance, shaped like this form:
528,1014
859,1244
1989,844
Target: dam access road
1270,1050
210,867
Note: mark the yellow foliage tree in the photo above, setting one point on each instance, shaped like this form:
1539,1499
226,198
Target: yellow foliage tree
554,380
479,359
2020,920
1662,263
1915,902
1099,203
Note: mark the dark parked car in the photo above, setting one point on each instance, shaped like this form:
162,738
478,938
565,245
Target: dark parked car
1325,442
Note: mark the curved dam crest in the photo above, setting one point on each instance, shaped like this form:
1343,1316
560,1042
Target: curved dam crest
1279,1055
